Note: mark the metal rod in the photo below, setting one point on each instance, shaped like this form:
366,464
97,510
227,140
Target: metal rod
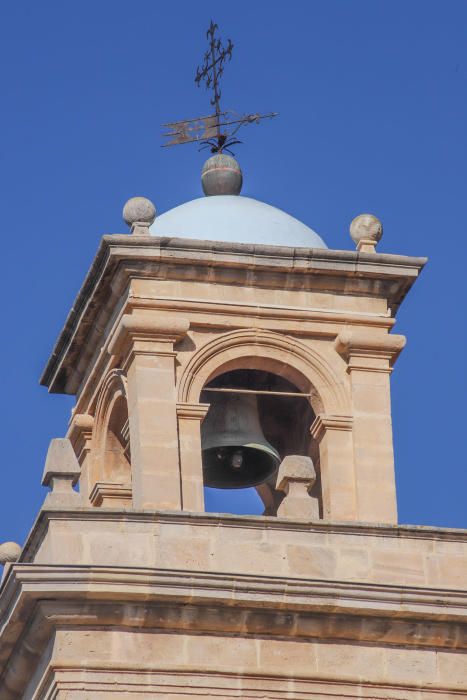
258,391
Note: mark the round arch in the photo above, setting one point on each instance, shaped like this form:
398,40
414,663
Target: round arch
111,460
266,350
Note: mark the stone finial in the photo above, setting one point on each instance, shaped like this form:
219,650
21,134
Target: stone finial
139,213
221,174
61,473
9,552
295,478
366,230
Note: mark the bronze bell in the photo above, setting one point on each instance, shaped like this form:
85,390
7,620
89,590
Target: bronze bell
235,452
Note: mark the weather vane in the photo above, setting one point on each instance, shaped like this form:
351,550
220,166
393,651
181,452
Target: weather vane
216,131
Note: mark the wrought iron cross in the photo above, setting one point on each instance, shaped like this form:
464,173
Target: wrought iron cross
216,131
213,67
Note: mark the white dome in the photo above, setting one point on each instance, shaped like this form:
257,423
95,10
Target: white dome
236,219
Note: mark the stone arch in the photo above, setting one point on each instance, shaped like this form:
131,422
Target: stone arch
284,355
110,441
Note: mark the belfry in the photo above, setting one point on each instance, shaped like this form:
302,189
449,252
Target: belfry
222,344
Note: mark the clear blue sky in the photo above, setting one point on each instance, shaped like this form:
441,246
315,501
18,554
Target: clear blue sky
372,96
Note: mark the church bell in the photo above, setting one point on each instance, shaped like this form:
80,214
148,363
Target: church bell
235,452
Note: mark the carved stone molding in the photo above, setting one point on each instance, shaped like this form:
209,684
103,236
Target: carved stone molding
386,609
364,350
192,411
323,422
147,334
80,434
110,494
298,362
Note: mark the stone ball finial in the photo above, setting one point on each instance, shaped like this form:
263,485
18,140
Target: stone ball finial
366,230
221,174
139,213
9,552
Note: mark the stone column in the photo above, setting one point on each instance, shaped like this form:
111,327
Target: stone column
336,456
145,343
370,358
190,417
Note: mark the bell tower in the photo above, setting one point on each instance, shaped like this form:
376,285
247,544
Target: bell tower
200,363
222,344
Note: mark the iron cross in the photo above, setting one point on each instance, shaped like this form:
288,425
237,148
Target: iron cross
213,67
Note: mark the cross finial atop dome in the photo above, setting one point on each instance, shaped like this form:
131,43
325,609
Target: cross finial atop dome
216,131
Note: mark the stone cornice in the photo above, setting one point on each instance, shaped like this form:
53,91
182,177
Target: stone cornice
142,256
195,683
239,591
35,600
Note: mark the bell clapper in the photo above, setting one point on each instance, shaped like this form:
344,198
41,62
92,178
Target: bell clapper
236,460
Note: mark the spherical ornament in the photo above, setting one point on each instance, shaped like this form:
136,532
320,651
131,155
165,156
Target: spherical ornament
221,174
139,210
366,227
9,552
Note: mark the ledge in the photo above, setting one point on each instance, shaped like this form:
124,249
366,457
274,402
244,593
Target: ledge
258,522
239,591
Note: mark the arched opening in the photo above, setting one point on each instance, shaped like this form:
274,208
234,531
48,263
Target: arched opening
110,481
117,456
284,416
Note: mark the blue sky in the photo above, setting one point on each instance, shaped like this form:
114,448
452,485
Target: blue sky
372,96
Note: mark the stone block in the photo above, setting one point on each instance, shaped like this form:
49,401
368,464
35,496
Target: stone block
287,654
350,662
311,562
411,666
295,478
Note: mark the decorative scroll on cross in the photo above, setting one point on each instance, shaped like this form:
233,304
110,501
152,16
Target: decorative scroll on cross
215,131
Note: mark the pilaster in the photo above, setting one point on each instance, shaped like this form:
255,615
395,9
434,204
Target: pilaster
190,417
144,345
369,360
80,436
334,435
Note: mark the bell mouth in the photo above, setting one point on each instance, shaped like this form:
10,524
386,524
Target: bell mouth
237,467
